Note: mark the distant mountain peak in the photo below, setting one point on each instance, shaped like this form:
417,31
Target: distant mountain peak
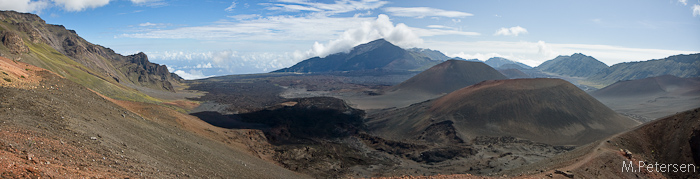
497,62
449,76
577,64
375,55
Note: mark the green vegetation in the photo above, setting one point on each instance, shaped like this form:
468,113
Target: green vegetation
7,79
52,60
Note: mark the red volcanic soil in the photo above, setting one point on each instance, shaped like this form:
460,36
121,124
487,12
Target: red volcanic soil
671,140
551,111
449,76
51,127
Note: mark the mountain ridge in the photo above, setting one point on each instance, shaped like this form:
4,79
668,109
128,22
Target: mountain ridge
684,66
497,62
576,65
375,55
102,62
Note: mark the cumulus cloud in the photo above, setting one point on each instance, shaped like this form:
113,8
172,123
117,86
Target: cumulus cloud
513,31
80,5
231,7
696,10
24,5
191,75
545,51
684,2
421,12
223,62
221,57
208,65
382,27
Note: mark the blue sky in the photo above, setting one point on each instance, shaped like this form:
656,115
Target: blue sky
213,37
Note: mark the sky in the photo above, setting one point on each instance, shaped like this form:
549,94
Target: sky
203,38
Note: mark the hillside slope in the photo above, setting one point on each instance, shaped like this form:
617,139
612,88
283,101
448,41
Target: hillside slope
551,111
376,55
51,127
28,38
651,86
576,65
651,143
499,63
449,76
684,66
651,98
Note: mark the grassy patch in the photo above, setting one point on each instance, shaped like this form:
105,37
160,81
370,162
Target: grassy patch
51,60
593,84
7,79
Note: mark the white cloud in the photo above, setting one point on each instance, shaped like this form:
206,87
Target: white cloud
231,7
421,12
696,10
222,56
363,14
382,27
80,5
545,51
143,1
440,27
224,62
338,7
272,28
24,5
191,75
151,3
292,8
245,16
513,31
147,24
36,6
684,2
